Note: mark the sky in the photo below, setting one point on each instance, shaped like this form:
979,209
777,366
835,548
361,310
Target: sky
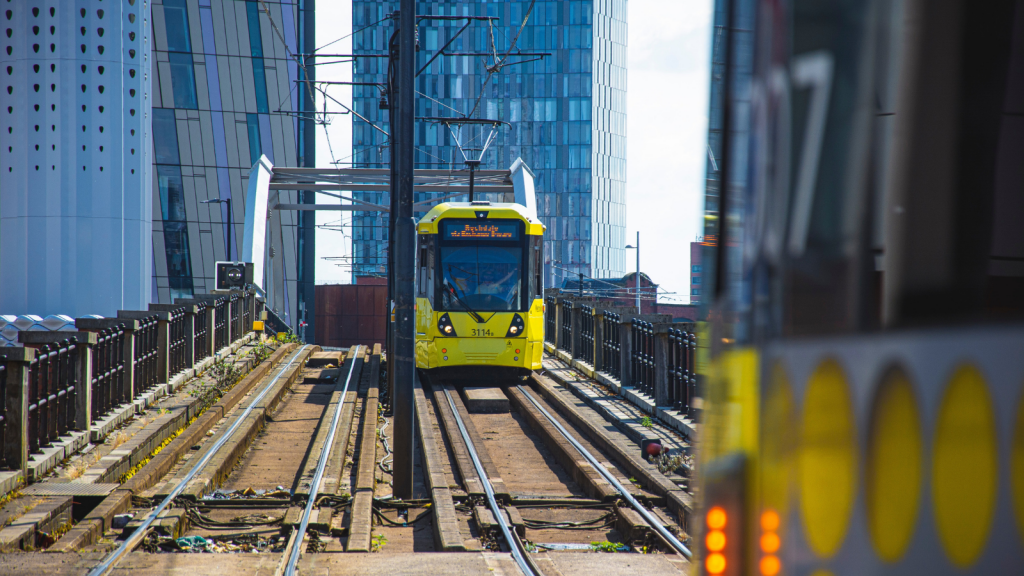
667,115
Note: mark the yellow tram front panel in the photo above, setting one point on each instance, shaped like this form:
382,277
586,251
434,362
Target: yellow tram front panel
479,344
479,301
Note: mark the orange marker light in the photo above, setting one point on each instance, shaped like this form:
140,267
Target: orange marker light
444,350
770,521
770,566
715,563
715,541
770,543
517,350
716,518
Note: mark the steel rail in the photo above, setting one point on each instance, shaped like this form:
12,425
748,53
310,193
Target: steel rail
650,518
133,540
291,558
513,543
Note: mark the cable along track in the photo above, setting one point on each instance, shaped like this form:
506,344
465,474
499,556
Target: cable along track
133,540
294,548
650,518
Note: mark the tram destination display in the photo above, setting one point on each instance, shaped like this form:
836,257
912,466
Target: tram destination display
477,230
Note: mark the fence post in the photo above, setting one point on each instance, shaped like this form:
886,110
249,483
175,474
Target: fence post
84,342
163,339
626,352
191,317
598,339
575,325
130,326
15,362
559,345
662,395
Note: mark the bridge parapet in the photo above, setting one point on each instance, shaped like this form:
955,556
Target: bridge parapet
646,357
62,387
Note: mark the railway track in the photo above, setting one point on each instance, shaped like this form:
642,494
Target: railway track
297,475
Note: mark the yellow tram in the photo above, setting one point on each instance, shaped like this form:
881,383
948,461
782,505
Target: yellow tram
862,369
479,303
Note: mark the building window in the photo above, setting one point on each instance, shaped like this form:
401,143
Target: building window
176,24
172,193
165,136
695,280
695,268
259,76
179,264
695,292
259,73
252,122
172,203
183,80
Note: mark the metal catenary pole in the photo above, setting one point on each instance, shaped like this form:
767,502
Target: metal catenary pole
389,344
638,311
402,398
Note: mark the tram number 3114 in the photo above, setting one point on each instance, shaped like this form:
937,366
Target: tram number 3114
482,332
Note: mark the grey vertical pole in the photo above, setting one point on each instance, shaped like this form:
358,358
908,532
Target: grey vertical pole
402,396
307,280
598,340
638,310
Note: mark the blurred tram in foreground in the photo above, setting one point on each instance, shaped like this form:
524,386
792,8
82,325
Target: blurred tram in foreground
865,290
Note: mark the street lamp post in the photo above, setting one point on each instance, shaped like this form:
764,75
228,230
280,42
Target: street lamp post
229,223
637,248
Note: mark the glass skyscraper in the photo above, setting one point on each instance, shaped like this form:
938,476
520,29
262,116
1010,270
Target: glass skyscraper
567,113
224,92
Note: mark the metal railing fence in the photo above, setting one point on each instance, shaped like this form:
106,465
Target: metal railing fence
176,329
611,349
550,311
53,381
679,392
220,323
146,350
200,335
247,313
643,356
108,383
235,306
566,339
586,351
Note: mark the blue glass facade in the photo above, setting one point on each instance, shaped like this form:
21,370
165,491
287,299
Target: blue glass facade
567,113
223,88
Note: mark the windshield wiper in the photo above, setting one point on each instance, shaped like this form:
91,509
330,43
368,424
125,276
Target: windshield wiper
451,288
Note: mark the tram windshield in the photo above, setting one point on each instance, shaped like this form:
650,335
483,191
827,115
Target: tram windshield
484,278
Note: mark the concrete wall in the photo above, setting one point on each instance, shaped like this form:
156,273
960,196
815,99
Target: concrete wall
75,182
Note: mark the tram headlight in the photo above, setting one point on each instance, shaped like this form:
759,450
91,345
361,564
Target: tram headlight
445,327
516,328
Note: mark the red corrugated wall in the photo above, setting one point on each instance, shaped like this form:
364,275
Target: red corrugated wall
351,314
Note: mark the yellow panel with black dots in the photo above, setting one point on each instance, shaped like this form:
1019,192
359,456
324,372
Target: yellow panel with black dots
891,454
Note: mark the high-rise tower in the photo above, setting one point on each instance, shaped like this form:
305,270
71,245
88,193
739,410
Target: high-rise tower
567,113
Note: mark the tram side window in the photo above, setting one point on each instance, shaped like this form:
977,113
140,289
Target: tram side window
537,266
425,264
